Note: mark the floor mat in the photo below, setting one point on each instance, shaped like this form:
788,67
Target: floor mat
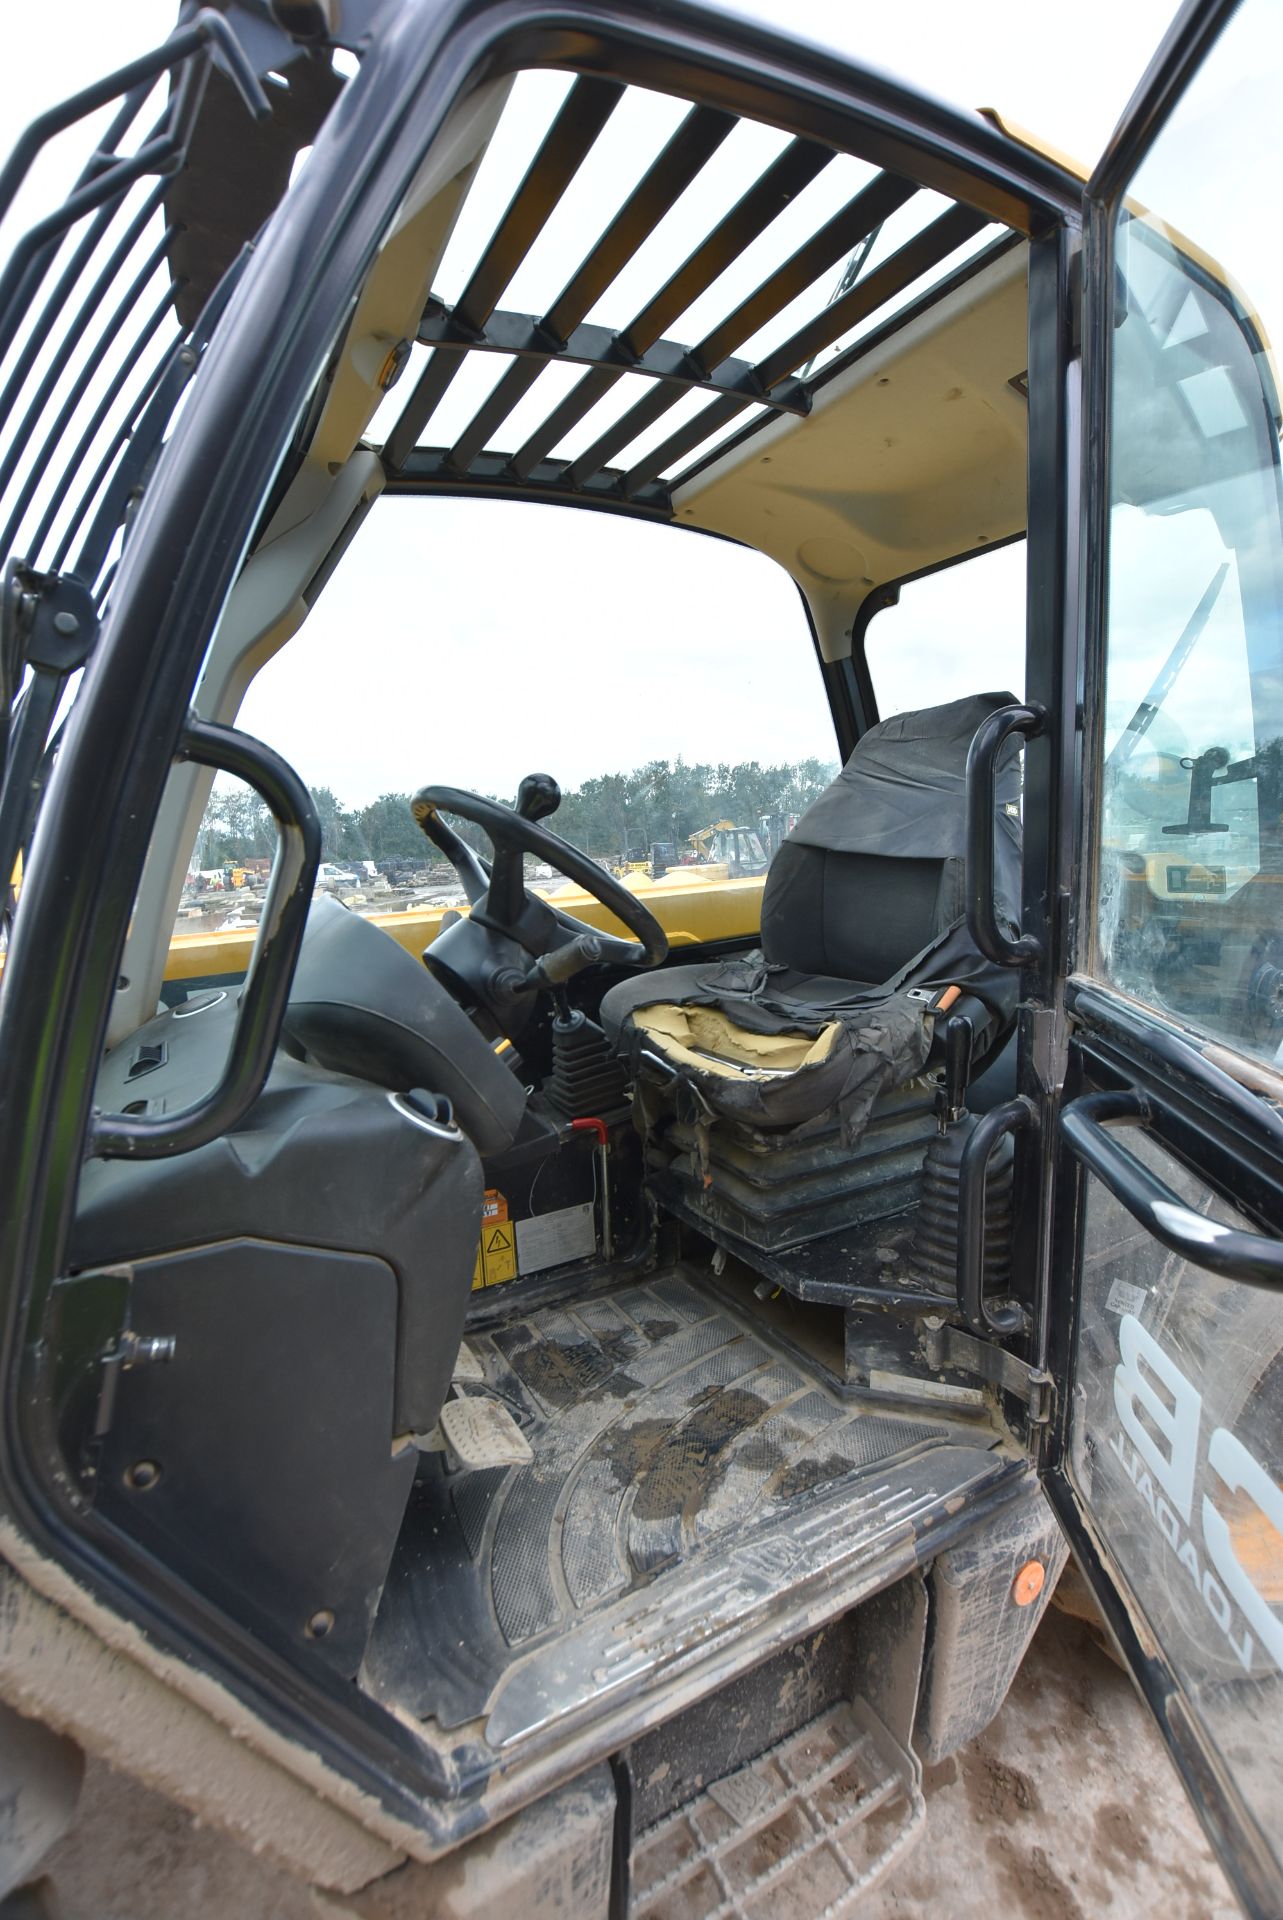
665,1433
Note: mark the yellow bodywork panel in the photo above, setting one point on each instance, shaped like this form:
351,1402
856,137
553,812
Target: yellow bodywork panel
704,1037
689,914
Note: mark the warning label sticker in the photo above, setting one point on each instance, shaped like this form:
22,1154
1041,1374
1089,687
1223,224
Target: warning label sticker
497,1254
1124,1297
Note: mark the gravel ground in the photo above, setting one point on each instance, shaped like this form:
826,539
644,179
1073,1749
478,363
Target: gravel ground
1065,1809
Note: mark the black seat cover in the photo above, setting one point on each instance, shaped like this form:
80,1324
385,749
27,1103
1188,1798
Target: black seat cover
863,902
873,872
362,1005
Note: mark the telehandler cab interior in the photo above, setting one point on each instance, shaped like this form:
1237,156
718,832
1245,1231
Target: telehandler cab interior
569,1399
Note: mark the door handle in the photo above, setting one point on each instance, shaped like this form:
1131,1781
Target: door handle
1228,1251
122,1136
982,778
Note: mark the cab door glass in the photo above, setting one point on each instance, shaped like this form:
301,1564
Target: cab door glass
1176,1446
1189,911
1176,1420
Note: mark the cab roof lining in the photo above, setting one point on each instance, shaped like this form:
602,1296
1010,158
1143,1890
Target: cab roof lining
914,454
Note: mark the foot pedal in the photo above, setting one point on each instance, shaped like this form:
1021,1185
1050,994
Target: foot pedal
479,1432
797,1813
468,1367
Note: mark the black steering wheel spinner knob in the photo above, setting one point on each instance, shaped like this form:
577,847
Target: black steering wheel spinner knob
538,796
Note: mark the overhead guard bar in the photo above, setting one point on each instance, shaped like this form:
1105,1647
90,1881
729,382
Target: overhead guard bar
762,202
696,140
583,113
926,250
854,223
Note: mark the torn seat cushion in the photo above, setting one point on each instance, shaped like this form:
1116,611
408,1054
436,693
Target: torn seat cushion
732,1048
706,1040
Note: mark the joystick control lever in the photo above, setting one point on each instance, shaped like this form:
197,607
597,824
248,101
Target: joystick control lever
951,1099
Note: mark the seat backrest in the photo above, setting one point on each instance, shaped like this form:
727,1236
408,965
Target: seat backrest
874,869
849,916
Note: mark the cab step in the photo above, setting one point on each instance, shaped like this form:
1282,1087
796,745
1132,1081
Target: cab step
802,1812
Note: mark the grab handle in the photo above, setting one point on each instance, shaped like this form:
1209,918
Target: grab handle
122,1136
982,800
1250,1257
982,1315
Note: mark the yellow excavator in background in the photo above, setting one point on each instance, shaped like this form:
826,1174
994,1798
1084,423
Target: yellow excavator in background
738,849
701,839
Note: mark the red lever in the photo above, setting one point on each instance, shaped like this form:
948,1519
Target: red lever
592,1126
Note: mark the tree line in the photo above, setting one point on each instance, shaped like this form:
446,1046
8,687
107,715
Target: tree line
612,816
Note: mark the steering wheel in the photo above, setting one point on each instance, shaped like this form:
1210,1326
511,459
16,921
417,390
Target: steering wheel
515,945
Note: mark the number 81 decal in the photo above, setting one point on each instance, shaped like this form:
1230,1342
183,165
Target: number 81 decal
1175,1416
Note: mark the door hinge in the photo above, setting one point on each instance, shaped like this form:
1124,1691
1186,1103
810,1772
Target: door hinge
1077,289
946,1346
1047,1031
49,621
1074,289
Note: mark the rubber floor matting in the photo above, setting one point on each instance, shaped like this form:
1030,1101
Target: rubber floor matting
664,1431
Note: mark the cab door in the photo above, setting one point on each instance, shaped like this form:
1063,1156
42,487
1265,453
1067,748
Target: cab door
1167,1234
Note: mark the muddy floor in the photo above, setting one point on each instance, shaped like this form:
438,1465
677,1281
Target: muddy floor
1066,1809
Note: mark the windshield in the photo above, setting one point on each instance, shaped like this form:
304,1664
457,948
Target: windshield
666,680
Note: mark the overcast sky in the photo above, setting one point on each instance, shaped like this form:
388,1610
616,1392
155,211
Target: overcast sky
467,642
1067,75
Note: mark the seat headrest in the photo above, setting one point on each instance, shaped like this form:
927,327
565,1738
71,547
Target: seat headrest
902,792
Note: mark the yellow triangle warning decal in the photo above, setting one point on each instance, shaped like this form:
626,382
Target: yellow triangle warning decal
498,1241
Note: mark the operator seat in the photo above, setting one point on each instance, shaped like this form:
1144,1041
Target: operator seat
862,929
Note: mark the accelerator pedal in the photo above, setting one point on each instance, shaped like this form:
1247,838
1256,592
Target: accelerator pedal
467,1366
793,1817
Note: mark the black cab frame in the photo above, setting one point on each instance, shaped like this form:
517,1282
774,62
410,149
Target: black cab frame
439,1386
